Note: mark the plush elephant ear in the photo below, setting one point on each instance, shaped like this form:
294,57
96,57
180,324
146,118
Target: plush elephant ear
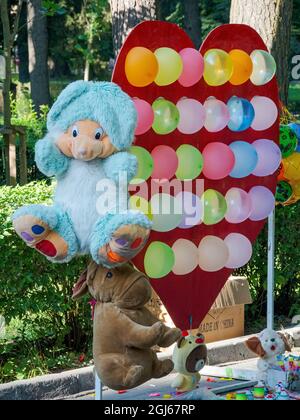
255,346
286,342
67,96
81,287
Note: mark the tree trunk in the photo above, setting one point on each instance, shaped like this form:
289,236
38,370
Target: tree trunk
7,55
272,19
126,14
192,20
38,54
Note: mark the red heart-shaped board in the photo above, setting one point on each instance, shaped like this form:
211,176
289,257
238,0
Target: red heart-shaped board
188,298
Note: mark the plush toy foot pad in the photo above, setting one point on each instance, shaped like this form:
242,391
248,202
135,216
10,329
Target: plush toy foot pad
126,243
133,376
31,229
53,246
163,368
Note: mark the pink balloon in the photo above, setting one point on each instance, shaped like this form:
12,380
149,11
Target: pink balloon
193,67
266,113
238,205
217,115
263,203
192,116
240,250
219,161
165,163
269,157
145,116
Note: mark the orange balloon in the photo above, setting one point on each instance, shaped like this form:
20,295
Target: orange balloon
242,67
141,67
281,176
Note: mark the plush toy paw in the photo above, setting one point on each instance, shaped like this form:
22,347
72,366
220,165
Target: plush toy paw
163,368
37,234
133,376
170,337
31,229
126,243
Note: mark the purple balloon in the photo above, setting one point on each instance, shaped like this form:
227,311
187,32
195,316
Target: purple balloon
269,157
239,205
191,208
263,203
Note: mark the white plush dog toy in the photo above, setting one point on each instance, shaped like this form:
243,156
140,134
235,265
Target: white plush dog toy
268,345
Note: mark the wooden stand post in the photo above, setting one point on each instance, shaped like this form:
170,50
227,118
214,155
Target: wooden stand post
10,151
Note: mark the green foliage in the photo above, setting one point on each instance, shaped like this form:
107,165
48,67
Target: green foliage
37,295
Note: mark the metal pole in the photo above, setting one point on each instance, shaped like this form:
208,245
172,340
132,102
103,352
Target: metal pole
98,388
271,270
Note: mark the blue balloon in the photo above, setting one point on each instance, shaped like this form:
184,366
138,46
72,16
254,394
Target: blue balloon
296,129
241,114
246,159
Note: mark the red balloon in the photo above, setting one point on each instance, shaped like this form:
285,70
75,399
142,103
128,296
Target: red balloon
219,161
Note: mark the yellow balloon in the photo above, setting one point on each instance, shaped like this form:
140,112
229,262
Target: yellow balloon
140,204
296,189
242,67
170,66
218,67
292,167
141,67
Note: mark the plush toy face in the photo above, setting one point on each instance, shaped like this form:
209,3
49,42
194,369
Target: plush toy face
85,140
268,344
123,286
190,354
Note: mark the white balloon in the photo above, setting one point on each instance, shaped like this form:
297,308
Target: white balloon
213,254
166,211
186,257
240,250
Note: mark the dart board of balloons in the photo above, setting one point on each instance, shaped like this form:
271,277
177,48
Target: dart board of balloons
208,155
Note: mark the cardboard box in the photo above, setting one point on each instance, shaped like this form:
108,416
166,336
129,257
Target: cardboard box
226,319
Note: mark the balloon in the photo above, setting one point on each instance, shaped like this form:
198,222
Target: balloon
145,164
239,205
240,250
296,190
165,162
213,254
186,257
269,157
166,117
139,204
219,161
264,67
292,167
214,207
192,116
167,212
216,115
246,159
296,129
241,114
266,113
242,67
284,192
218,67
145,116
141,67
190,162
263,203
281,176
288,141
193,67
191,208
159,260
170,66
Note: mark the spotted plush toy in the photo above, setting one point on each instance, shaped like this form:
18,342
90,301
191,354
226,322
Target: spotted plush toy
90,128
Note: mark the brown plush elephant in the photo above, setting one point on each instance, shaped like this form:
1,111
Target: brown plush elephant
124,330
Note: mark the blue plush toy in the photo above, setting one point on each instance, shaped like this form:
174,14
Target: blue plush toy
90,127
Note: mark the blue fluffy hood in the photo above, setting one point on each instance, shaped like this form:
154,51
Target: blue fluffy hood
102,102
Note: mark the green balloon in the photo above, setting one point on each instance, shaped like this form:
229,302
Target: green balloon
145,164
284,192
215,207
159,260
288,141
166,117
190,162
